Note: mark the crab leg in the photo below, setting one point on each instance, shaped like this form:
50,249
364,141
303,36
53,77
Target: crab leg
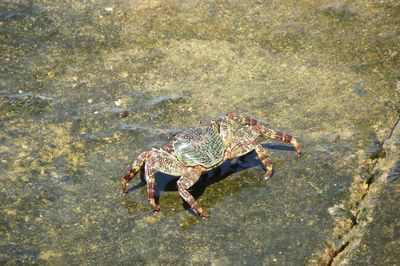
262,154
159,160
151,185
137,164
185,182
244,141
281,136
265,130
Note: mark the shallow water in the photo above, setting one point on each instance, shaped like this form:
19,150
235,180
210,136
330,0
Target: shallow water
86,86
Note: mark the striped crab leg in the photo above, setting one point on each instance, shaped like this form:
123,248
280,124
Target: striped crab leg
185,182
282,137
135,168
151,187
262,154
265,130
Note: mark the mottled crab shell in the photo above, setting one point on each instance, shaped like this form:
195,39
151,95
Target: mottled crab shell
199,146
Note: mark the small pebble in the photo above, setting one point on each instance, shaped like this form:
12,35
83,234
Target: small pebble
123,113
124,74
336,139
117,102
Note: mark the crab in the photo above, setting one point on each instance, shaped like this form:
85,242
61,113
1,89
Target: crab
200,149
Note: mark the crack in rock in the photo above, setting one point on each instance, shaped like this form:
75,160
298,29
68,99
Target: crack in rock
351,216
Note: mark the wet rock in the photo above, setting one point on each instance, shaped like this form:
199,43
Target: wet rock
11,15
18,11
168,106
118,111
133,128
338,11
18,255
392,143
235,62
339,212
375,240
344,220
156,115
394,174
167,133
375,151
362,66
358,89
294,33
373,148
162,101
27,102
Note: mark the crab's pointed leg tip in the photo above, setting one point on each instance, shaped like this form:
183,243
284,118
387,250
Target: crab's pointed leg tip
268,174
202,213
155,207
205,215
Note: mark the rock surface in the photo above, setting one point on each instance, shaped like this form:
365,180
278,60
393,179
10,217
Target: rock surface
85,86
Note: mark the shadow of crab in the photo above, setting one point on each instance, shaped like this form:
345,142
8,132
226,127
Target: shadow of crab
167,183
